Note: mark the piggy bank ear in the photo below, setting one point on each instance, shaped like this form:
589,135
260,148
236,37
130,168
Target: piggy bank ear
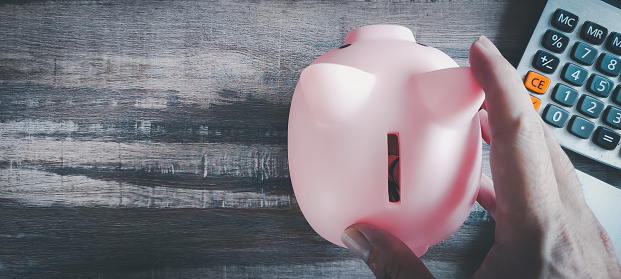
451,96
335,92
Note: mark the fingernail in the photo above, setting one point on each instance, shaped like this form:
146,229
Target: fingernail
357,243
485,42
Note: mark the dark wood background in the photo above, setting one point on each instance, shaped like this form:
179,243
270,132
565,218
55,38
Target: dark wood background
147,139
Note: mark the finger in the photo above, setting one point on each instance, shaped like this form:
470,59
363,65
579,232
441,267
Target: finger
520,162
385,254
485,129
495,75
569,186
487,196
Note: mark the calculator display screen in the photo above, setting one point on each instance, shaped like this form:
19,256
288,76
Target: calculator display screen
616,3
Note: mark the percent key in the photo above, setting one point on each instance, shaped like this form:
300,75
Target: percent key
555,41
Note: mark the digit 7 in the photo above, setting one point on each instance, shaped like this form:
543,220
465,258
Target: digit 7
587,53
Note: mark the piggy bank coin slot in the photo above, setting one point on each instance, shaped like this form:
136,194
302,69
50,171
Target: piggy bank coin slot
344,46
394,169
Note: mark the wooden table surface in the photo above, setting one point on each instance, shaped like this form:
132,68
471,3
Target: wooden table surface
147,139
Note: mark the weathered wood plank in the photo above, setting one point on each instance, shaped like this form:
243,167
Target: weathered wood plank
92,242
148,138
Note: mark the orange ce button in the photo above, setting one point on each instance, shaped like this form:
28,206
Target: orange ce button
536,82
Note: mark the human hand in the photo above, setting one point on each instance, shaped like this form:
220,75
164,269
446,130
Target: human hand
544,227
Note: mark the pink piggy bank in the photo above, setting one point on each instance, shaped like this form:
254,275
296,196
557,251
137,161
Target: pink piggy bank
385,131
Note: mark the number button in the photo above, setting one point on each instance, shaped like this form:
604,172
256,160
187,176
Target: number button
614,43
545,62
554,41
616,95
606,139
580,127
583,53
590,106
564,20
564,95
593,33
574,74
555,116
609,65
599,85
612,117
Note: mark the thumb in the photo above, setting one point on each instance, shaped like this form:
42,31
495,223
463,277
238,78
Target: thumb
384,253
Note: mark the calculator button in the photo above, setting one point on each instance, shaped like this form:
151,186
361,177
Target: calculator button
580,127
614,43
599,85
554,41
536,82
564,95
590,106
536,102
609,65
564,20
545,62
616,95
583,53
555,116
612,117
593,33
606,138
574,74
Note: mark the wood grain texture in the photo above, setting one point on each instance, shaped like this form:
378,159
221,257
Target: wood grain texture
148,138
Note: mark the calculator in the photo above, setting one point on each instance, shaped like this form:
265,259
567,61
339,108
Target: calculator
571,69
